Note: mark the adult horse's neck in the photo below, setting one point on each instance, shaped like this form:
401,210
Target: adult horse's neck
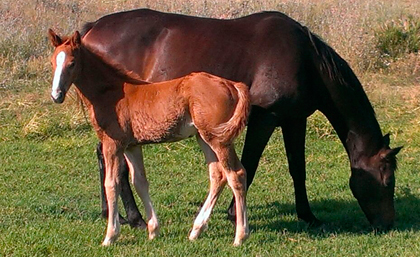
348,108
98,77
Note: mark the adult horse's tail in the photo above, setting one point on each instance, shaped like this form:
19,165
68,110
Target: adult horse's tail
234,126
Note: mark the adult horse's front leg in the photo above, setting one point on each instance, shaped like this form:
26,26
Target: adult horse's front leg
134,157
261,125
134,218
294,131
113,159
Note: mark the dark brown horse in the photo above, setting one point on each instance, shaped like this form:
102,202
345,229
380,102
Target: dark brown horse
290,72
127,113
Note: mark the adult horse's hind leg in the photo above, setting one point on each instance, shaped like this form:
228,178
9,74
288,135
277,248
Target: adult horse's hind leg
217,183
261,125
134,217
134,157
294,131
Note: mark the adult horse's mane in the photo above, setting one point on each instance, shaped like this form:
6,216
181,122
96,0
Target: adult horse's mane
119,71
339,70
86,28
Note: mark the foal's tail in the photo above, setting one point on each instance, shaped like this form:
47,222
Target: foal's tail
229,130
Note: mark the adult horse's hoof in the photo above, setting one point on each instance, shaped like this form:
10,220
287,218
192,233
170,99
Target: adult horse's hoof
137,224
316,223
122,220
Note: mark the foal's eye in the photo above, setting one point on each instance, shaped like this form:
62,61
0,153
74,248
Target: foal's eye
71,65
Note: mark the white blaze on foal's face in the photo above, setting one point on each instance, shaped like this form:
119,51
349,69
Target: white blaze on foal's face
61,57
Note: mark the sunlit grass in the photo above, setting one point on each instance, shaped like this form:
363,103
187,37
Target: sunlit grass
48,175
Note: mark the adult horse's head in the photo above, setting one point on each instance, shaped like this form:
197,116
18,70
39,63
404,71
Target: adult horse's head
372,182
65,63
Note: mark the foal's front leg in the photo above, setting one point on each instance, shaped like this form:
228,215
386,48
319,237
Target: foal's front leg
113,160
134,217
134,157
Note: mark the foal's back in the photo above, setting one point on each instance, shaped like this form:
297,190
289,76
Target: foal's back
176,109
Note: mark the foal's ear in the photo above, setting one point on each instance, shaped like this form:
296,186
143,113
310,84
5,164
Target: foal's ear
75,40
54,38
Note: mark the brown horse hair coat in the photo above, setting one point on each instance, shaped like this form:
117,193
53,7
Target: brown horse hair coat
126,116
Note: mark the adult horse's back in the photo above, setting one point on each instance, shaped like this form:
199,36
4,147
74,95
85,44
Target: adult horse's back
290,72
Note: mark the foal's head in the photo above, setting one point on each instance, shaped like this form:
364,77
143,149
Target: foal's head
372,182
65,62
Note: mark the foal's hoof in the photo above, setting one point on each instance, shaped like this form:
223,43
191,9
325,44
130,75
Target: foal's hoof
153,228
108,241
240,241
196,231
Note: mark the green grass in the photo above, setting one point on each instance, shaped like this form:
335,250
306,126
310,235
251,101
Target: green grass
49,183
50,200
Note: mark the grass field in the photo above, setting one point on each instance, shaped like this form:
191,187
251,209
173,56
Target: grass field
49,190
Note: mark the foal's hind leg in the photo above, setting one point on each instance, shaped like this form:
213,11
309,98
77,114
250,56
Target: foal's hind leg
236,178
217,183
138,175
261,125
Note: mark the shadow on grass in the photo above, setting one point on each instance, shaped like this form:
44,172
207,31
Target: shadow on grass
339,217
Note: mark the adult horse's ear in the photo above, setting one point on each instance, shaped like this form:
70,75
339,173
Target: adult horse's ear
54,38
386,140
395,151
391,153
76,40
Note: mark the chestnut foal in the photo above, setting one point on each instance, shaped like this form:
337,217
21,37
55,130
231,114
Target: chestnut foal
127,112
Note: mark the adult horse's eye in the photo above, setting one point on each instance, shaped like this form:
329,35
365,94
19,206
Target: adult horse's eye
71,65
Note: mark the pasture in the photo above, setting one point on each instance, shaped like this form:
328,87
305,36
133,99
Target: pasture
49,190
